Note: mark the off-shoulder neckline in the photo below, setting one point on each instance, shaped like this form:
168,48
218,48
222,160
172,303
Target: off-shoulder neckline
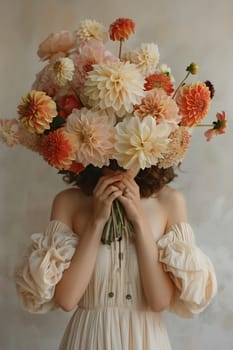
177,225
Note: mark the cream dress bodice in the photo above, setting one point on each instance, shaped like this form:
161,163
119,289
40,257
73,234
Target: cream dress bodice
113,313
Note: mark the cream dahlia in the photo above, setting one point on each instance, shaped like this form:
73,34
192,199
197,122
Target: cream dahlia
90,29
56,43
193,101
58,149
90,52
36,111
114,86
140,143
94,136
62,70
157,104
146,58
9,132
177,147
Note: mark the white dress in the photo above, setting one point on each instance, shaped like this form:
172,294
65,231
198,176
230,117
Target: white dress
113,313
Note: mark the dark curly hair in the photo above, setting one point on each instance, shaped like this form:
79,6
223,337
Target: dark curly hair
149,180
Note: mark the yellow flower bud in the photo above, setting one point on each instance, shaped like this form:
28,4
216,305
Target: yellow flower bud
193,68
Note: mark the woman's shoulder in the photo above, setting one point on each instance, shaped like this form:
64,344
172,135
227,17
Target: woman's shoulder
173,201
171,195
64,205
68,194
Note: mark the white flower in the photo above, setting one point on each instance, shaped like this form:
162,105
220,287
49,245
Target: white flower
140,143
146,58
90,29
115,87
62,70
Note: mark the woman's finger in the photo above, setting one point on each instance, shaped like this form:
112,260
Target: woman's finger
104,182
108,191
131,185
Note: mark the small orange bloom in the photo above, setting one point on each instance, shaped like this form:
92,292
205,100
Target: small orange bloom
121,29
76,167
161,81
36,111
193,101
219,127
58,148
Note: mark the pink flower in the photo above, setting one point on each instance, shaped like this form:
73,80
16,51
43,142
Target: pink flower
157,104
44,82
177,148
66,104
90,52
29,140
9,132
55,43
94,136
219,126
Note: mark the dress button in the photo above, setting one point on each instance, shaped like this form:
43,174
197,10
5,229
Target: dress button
111,294
128,296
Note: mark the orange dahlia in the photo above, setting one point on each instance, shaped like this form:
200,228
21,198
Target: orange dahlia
193,101
121,29
58,149
36,111
159,80
160,106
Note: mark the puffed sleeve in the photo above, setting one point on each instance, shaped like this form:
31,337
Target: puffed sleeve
190,269
42,265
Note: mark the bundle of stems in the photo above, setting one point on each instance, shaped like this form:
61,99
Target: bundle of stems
117,225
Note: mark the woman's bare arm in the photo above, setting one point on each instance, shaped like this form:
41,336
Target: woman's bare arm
76,278
157,285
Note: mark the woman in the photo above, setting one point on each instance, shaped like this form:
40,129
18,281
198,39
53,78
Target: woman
122,288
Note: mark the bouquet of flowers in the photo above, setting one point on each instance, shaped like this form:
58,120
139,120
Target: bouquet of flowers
88,106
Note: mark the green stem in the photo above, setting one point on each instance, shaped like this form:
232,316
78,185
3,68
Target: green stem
181,83
205,125
120,49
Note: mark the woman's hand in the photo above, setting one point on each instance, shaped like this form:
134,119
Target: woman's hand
130,197
105,192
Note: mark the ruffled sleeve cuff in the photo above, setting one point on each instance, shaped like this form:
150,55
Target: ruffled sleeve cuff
42,265
190,269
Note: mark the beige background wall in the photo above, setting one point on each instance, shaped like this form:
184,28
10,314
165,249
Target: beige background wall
185,31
